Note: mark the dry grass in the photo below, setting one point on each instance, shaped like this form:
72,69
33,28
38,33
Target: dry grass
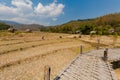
117,71
35,69
106,40
27,63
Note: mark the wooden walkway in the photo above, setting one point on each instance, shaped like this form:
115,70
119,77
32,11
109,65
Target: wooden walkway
91,66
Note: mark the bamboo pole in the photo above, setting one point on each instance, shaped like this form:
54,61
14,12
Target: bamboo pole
47,71
98,44
81,49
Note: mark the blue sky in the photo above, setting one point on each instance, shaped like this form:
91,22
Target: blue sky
54,12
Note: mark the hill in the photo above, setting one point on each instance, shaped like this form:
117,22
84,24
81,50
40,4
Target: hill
28,26
20,26
3,26
100,24
9,22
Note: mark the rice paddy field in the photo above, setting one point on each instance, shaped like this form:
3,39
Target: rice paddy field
24,55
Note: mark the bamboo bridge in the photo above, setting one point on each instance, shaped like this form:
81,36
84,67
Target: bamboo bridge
92,65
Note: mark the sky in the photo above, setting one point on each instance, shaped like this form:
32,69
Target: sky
55,12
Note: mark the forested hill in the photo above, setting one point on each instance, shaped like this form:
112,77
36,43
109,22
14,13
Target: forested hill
4,26
101,24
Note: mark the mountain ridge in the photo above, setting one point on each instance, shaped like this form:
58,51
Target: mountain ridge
100,24
20,26
9,22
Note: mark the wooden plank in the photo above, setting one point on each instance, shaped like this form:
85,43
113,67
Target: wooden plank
90,66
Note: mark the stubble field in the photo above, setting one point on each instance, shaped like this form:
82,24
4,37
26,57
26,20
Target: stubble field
24,55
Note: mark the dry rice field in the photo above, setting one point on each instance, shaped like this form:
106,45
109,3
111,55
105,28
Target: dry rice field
24,55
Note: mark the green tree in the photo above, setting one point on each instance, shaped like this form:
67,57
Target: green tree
4,26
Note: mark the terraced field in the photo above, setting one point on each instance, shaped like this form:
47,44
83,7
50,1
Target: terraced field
24,58
24,55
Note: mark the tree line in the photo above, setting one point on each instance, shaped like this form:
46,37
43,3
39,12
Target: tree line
108,24
4,26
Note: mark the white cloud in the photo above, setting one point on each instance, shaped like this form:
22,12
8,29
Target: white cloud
21,3
23,6
54,19
23,11
51,10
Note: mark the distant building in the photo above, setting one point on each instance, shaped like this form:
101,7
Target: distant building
93,32
78,32
28,30
11,30
111,30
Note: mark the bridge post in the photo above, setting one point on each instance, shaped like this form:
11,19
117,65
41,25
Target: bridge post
106,54
47,71
43,37
81,49
98,44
